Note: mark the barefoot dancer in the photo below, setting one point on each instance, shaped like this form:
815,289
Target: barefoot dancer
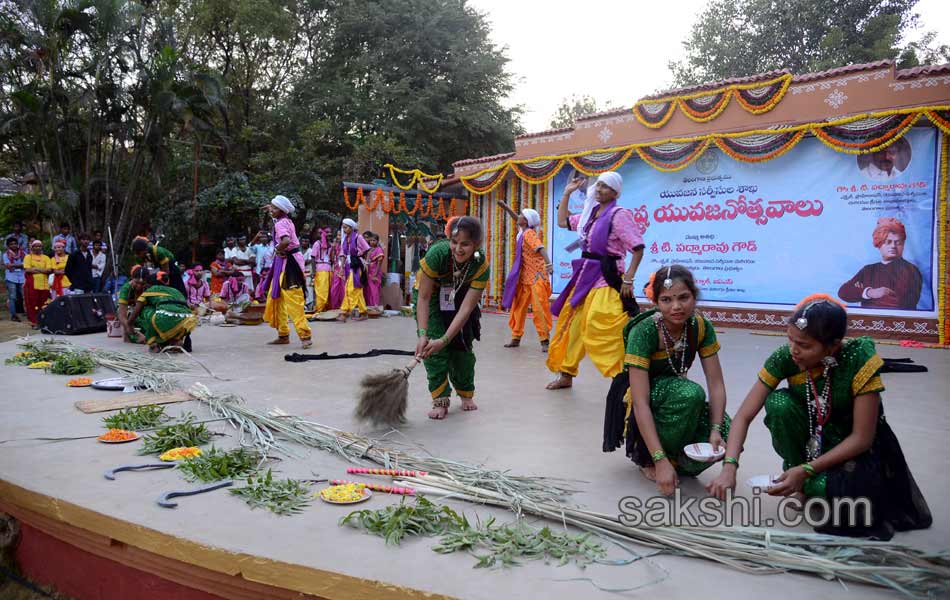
828,425
528,283
285,282
161,312
597,302
374,269
452,277
322,264
665,411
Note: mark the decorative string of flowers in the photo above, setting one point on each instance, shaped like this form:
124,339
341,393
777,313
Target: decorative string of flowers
387,202
418,177
943,314
704,106
846,139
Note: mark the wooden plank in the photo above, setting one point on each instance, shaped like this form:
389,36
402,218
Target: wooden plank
120,400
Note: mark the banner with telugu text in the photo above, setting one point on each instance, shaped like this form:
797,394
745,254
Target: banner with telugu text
768,234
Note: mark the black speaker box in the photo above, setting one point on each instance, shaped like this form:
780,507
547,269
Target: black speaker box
76,314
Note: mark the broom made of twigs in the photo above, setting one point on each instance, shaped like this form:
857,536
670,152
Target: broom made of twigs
384,397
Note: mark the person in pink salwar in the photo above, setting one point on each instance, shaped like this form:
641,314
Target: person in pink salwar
374,269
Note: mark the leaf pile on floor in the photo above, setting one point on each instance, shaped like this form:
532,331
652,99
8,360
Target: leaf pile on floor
73,363
492,545
138,418
280,496
215,465
183,434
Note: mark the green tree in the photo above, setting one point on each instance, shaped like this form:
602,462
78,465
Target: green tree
735,38
578,106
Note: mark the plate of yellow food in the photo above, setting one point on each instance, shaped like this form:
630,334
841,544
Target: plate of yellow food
350,493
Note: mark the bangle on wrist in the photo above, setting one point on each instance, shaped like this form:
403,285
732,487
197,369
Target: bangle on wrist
809,470
658,456
422,332
731,460
627,281
717,427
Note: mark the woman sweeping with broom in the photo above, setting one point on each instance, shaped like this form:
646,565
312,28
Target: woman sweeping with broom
452,276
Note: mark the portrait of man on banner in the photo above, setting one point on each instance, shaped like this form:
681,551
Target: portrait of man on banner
891,283
887,163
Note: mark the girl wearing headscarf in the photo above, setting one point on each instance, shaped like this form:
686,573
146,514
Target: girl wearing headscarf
374,269
37,267
528,282
321,252
337,277
354,249
598,300
827,425
285,281
161,312
59,282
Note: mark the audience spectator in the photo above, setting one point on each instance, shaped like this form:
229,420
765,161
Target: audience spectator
14,276
66,237
79,267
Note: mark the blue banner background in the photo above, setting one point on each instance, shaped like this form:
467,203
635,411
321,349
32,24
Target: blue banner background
781,252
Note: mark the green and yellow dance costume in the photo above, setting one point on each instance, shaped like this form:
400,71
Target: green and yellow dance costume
679,407
880,474
165,315
454,365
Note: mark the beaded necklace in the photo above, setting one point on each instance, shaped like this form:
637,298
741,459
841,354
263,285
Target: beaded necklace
679,346
819,407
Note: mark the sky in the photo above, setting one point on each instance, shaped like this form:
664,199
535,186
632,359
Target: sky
611,50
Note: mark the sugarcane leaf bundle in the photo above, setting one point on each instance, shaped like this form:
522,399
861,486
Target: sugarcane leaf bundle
215,465
280,496
180,435
137,418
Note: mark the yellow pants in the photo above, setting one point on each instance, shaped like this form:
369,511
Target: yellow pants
288,306
538,297
321,291
594,328
353,298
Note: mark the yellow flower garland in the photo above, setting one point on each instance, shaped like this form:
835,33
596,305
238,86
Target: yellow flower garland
943,312
417,177
728,92
502,169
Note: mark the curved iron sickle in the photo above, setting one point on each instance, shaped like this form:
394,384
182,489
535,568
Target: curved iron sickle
110,474
163,500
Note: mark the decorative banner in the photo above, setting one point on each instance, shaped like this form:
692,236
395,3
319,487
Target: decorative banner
487,180
703,106
759,147
538,171
600,162
866,135
672,156
766,235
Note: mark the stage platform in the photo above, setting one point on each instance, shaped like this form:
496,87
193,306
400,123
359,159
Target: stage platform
94,538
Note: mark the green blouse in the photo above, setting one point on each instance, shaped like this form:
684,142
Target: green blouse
159,257
437,264
645,351
857,373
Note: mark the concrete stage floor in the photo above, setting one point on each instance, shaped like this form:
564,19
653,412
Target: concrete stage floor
519,426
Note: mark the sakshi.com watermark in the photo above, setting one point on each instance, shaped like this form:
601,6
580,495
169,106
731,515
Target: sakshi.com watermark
742,511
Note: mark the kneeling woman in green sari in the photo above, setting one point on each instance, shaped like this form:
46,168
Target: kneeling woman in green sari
828,425
162,313
663,411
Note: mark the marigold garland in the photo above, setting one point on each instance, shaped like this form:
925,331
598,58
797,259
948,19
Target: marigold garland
592,172
943,314
878,142
359,199
728,92
417,177
677,166
501,170
765,157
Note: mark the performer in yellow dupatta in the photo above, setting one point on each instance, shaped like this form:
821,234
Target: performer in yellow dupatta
285,281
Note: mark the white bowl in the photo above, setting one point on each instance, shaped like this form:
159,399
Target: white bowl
703,452
763,482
